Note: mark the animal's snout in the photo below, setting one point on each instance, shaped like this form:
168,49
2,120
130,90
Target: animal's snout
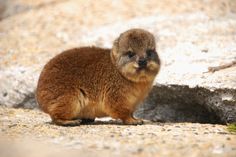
142,62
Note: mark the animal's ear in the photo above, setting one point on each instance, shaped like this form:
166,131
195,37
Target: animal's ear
117,40
115,43
115,49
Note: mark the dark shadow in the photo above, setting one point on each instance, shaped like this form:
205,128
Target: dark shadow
112,122
176,103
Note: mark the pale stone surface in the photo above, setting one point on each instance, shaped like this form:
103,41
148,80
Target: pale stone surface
29,133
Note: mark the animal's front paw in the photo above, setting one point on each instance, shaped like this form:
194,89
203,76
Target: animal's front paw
61,122
133,121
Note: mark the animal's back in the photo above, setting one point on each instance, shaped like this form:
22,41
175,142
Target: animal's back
72,70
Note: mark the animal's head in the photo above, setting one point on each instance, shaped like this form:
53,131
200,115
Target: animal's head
134,54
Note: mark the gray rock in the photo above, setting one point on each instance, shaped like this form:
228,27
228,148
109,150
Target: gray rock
2,8
17,87
177,103
13,7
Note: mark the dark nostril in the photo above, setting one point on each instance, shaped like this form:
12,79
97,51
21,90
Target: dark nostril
142,62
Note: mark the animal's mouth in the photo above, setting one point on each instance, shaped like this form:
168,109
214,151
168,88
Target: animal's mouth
142,70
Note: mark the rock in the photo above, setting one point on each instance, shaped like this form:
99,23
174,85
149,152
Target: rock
17,87
13,7
178,103
2,8
190,40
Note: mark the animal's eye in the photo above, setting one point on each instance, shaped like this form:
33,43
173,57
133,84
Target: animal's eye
150,52
130,54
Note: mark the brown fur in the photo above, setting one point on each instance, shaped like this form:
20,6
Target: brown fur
84,83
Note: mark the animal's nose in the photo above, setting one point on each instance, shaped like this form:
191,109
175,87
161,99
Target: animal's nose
142,62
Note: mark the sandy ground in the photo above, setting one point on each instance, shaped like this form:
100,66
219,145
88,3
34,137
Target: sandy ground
30,133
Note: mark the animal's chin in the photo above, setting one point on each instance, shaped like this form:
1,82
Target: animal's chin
141,70
138,75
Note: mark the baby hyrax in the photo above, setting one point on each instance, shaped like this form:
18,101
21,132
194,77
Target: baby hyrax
81,84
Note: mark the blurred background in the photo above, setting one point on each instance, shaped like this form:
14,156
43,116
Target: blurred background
45,27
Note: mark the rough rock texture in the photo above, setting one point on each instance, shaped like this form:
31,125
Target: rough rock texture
193,35
12,7
175,103
28,133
